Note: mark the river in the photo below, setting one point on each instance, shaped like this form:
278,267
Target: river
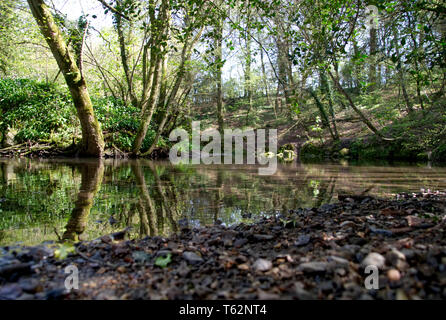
48,200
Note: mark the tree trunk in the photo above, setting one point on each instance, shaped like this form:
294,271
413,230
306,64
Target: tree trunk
124,60
400,69
326,88
356,68
148,108
372,58
169,102
265,82
218,73
353,106
324,116
248,60
160,33
92,139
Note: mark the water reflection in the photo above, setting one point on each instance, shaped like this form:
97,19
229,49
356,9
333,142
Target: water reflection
40,200
92,174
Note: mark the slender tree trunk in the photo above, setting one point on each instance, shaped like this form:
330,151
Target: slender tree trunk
326,88
124,60
401,76
265,82
160,31
149,108
356,68
372,58
248,76
218,73
418,70
353,106
92,139
324,116
168,104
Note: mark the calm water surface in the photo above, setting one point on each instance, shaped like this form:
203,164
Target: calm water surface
46,200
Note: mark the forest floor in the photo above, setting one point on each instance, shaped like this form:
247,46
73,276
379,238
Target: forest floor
312,253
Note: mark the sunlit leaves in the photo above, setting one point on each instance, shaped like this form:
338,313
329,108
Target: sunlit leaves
64,250
163,261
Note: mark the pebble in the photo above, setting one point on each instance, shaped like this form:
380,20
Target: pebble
302,240
243,266
301,293
240,242
30,285
374,259
192,257
408,253
262,265
26,296
121,269
339,261
347,223
315,266
396,259
263,237
393,275
10,292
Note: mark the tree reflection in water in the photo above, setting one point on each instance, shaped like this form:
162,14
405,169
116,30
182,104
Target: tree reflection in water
101,197
92,174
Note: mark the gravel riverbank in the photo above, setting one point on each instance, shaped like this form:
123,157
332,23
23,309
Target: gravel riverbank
312,253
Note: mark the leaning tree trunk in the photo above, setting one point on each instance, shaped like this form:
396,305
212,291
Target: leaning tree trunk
92,140
359,112
324,116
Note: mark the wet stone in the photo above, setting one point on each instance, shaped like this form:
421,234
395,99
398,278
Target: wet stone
192,257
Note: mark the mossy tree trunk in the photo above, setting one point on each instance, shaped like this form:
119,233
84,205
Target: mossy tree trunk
158,46
326,88
218,56
92,139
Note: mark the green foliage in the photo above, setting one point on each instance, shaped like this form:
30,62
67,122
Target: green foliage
163,261
36,110
64,250
45,112
115,116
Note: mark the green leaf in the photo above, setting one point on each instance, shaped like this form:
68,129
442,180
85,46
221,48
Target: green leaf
163,261
64,250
